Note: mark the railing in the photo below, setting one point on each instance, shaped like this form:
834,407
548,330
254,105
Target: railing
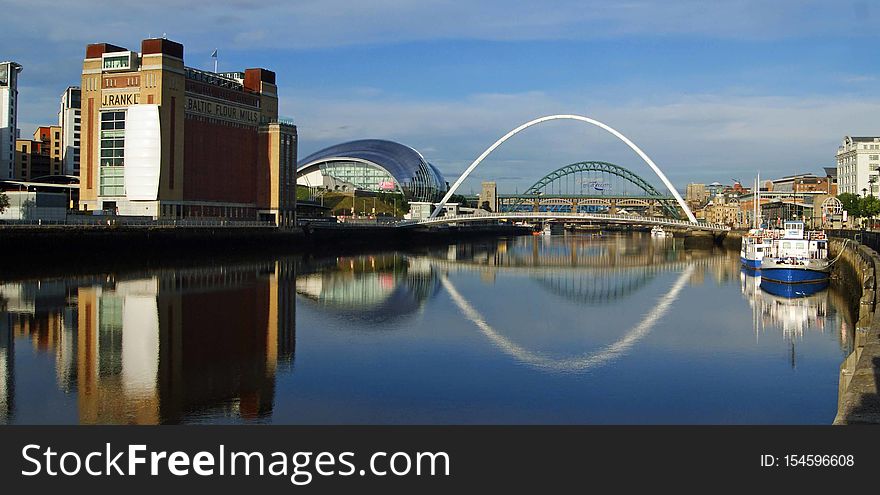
866,237
563,216
104,222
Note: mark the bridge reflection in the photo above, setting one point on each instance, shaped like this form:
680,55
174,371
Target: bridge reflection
166,346
581,269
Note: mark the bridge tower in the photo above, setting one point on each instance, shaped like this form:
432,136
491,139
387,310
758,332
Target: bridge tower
489,195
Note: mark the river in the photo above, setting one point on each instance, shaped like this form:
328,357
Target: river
574,329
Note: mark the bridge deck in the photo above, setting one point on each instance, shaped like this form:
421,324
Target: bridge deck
597,217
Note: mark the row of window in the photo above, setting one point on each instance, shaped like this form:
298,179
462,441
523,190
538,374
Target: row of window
112,150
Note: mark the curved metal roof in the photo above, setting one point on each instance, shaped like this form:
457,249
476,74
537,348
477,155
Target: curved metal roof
399,160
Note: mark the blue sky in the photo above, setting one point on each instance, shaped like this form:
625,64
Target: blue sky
710,90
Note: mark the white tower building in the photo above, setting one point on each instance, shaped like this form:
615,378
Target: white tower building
69,120
858,161
8,117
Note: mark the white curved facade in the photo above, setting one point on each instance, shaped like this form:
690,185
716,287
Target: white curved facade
143,148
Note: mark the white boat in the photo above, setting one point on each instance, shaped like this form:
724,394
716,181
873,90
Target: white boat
658,232
797,261
757,242
547,230
753,247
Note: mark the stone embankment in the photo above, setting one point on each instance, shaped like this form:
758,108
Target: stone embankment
855,273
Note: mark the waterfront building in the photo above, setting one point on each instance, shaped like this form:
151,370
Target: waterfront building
723,212
373,165
831,176
163,140
800,183
775,213
69,120
40,156
50,137
714,189
696,195
29,160
777,206
8,117
33,205
858,161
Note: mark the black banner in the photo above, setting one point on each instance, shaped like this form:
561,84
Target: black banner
403,459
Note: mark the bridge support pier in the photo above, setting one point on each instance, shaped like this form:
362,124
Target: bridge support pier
699,239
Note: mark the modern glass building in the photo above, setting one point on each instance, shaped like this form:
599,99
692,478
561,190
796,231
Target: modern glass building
372,165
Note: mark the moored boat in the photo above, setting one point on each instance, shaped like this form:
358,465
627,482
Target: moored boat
754,245
797,257
658,232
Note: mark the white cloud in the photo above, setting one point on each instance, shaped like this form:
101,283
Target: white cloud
699,137
323,23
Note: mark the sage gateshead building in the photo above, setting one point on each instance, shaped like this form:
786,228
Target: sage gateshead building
372,165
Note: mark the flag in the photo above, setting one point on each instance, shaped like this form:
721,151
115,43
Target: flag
214,53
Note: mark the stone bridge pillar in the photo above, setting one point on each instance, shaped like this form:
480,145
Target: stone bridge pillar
612,207
536,206
652,208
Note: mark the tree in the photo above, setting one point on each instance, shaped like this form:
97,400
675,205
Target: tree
869,206
4,201
851,203
458,198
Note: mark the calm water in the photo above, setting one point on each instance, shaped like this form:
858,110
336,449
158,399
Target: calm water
563,329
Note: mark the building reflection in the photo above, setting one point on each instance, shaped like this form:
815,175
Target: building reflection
7,366
794,317
372,289
573,251
167,347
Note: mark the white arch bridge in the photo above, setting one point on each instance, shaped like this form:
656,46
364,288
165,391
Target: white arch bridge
567,217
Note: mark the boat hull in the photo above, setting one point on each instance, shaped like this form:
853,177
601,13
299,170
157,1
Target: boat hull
753,264
794,275
792,290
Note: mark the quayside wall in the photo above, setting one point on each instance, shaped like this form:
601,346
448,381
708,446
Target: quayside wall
66,249
855,273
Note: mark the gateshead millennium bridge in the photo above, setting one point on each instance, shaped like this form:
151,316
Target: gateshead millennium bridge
546,200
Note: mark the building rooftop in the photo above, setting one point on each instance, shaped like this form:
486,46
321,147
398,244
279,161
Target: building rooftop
796,176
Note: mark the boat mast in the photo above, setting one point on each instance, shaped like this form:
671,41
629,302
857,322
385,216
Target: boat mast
758,201
755,205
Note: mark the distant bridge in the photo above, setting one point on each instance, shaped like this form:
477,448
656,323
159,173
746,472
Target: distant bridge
568,217
587,186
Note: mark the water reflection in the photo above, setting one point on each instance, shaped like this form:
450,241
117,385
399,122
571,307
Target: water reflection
529,327
7,367
573,364
372,289
795,316
165,347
